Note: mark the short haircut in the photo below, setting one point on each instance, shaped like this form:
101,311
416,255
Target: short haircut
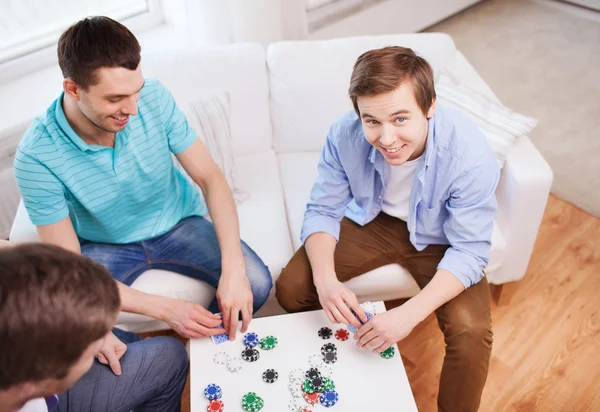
383,70
53,305
94,43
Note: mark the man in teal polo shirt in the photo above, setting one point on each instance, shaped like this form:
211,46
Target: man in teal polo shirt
97,177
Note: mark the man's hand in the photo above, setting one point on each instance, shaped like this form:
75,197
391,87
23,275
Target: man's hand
383,330
191,320
235,295
337,300
111,351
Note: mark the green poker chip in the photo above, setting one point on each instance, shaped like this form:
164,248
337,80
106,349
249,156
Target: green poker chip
268,342
252,403
388,353
307,387
328,384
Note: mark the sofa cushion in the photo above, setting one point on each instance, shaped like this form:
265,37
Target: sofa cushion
239,70
309,82
298,173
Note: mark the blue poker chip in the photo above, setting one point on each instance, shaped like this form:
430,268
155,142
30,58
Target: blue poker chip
251,339
213,391
329,398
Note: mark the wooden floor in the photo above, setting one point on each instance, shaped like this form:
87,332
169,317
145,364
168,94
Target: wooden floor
546,354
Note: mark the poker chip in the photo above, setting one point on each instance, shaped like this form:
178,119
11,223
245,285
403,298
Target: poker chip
296,390
305,410
329,398
312,373
296,405
312,398
326,371
307,387
213,391
250,340
352,328
328,385
252,402
250,355
216,405
234,365
315,361
268,342
330,358
388,353
342,335
317,384
297,376
221,358
270,375
328,348
325,332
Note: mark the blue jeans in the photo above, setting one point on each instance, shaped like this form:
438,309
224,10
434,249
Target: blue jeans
153,375
191,248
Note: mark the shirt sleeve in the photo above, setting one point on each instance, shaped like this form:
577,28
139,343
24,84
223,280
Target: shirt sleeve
329,196
472,209
42,192
179,132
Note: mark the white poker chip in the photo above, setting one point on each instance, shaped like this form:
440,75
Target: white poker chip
221,358
297,376
235,364
368,307
296,390
326,371
296,404
315,361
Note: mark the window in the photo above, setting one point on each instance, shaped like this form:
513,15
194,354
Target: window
27,26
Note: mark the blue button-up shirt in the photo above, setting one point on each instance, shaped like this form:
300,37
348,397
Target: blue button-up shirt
452,201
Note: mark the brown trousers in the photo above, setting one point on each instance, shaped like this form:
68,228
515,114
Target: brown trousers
465,320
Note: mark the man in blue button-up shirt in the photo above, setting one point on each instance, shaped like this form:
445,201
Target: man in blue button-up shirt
403,180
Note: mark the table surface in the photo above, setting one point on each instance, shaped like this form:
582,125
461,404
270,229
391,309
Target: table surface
364,380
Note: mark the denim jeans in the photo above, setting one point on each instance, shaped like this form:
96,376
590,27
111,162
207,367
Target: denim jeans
191,248
153,375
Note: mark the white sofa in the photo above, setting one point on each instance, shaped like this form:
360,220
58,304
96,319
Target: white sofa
283,100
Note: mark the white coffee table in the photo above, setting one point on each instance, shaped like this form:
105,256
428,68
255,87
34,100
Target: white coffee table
364,380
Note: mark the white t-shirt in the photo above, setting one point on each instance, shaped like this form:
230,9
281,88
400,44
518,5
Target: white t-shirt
35,405
397,192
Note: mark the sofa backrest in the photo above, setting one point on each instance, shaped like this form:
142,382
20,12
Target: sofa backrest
239,70
309,82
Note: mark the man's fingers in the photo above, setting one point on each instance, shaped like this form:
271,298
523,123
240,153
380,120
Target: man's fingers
339,318
102,359
329,315
234,315
246,318
363,330
114,363
366,338
349,316
353,303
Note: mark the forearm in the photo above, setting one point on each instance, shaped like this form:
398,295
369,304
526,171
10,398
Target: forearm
320,249
223,213
442,288
134,301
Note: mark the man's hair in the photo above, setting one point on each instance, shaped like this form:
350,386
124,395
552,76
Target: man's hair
53,305
94,43
383,70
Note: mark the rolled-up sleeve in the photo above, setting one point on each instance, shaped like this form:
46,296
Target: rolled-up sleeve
329,196
472,209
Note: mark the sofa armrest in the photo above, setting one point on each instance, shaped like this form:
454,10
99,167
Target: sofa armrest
522,195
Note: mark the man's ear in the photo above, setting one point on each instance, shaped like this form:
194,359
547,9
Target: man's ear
431,110
71,88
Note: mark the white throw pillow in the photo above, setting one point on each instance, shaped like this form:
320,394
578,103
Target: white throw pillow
209,117
501,126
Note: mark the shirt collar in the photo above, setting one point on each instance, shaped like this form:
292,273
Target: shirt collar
62,121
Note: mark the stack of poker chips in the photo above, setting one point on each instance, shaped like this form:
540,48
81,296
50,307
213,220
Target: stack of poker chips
251,402
214,393
311,387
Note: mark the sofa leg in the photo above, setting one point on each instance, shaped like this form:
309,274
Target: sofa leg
496,291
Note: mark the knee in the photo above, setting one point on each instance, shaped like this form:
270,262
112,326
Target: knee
172,357
292,296
469,337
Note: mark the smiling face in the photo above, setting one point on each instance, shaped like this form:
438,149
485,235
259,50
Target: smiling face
394,123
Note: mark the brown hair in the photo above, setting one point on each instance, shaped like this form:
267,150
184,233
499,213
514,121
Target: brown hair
53,305
383,70
93,43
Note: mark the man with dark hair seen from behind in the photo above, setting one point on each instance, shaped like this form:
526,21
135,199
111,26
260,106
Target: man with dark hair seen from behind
56,312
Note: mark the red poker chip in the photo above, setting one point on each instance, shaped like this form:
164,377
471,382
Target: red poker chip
216,405
342,334
312,398
305,410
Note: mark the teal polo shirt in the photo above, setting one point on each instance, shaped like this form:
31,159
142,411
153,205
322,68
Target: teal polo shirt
125,194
